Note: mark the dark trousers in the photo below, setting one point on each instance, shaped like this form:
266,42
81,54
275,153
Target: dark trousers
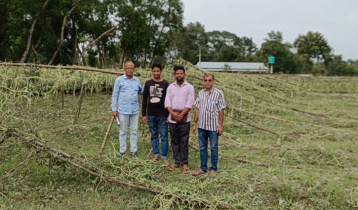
179,134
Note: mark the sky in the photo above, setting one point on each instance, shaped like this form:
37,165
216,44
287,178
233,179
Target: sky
336,20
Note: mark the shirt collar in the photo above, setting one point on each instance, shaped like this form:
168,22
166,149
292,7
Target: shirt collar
212,90
125,77
185,83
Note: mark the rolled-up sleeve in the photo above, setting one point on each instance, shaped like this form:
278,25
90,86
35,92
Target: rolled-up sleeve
168,102
191,98
197,102
115,95
140,89
222,104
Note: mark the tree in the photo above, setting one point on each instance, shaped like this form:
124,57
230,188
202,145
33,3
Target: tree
313,46
31,30
286,61
247,49
337,66
187,42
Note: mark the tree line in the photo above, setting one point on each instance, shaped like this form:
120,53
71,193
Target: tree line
104,33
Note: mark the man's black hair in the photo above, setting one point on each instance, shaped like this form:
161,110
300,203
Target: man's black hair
158,65
179,68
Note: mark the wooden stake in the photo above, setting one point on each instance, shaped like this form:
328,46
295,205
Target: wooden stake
106,136
79,105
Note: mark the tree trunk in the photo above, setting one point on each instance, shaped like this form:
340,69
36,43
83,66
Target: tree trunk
157,40
75,53
29,37
100,56
84,49
35,54
59,44
81,55
121,59
34,47
104,56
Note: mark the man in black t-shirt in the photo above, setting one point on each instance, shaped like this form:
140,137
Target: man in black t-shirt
154,94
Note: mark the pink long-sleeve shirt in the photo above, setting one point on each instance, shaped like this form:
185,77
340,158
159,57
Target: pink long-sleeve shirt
180,97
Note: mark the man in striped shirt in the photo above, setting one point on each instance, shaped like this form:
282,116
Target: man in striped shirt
210,106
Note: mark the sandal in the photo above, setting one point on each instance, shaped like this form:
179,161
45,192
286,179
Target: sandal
213,173
173,166
165,162
186,169
197,173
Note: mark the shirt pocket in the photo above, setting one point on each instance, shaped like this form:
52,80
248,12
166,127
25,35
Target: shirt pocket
212,106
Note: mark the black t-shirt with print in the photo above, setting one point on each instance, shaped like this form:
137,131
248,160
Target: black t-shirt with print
153,98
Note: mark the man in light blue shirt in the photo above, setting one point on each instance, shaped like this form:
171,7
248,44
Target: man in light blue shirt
125,94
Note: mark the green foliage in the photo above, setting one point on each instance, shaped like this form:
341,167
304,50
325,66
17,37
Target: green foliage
337,66
286,61
226,67
314,46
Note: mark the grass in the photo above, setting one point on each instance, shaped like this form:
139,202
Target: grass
312,164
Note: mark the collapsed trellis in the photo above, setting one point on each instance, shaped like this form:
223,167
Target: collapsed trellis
180,61
100,173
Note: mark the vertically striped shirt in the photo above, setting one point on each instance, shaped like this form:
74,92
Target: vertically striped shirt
209,105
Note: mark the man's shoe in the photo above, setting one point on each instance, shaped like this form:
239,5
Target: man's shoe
121,155
213,173
135,155
173,166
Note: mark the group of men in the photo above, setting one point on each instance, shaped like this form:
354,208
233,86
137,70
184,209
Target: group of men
164,104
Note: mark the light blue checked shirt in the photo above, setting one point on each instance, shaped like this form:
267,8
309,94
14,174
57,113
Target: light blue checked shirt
125,94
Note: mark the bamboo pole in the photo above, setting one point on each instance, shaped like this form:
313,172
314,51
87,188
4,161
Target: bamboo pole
79,105
106,136
79,68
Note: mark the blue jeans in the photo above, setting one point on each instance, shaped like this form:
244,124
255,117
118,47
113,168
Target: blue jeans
126,120
213,136
159,123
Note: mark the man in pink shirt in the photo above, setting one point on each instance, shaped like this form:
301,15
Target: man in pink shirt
179,101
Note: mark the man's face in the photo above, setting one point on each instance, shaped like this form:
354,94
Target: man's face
156,72
179,75
208,82
129,68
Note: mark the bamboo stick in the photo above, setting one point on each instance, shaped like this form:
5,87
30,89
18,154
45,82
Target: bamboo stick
80,68
106,136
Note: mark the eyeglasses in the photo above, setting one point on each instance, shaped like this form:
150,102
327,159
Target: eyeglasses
208,80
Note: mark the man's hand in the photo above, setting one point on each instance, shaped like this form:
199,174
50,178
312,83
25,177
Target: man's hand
220,130
194,128
175,115
144,120
115,114
180,117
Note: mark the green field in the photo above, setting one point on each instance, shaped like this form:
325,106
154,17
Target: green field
289,142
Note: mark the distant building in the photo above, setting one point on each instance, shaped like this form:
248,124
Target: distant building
248,67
